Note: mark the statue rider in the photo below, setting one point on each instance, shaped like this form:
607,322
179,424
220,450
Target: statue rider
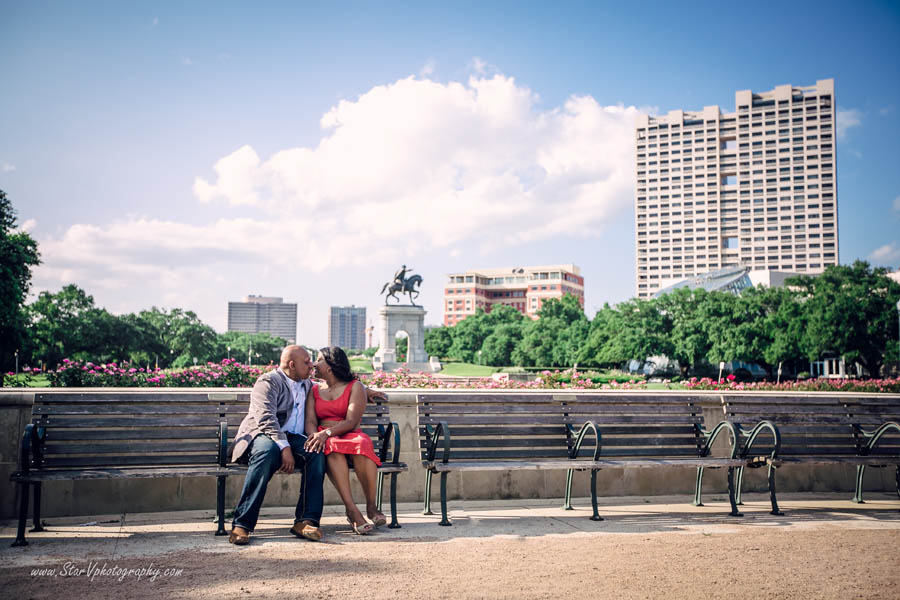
400,276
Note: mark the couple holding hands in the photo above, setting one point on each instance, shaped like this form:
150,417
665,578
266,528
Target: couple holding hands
293,423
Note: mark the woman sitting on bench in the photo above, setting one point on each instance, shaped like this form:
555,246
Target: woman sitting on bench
339,409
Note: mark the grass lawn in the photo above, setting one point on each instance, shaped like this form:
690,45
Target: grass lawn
39,381
361,365
468,370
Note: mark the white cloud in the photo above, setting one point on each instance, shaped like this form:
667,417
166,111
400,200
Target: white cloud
7,168
28,225
452,162
846,119
406,168
428,68
896,205
888,253
154,22
186,61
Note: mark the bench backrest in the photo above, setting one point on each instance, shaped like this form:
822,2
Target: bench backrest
642,426
809,426
493,427
870,412
376,423
110,429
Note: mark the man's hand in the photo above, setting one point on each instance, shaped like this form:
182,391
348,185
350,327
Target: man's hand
287,461
372,395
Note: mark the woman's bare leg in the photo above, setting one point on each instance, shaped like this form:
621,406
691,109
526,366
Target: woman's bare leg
367,473
339,474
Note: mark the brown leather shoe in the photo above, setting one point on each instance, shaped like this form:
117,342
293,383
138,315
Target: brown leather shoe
237,538
306,530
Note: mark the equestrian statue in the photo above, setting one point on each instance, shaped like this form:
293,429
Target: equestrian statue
403,285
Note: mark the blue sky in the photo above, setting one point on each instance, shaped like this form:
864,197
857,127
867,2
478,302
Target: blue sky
187,154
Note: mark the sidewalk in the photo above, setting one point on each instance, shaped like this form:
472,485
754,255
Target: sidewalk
824,546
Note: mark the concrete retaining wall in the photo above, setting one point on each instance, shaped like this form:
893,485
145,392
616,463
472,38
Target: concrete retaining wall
147,495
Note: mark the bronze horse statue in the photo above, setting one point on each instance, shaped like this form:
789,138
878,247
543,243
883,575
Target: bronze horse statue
407,287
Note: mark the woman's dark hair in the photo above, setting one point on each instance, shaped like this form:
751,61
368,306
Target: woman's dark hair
339,363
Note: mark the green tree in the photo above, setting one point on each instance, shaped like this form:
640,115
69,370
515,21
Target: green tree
185,336
850,311
18,254
606,324
239,345
688,340
556,337
641,330
438,341
401,347
61,325
468,337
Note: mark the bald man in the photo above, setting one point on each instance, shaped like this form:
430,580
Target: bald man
270,440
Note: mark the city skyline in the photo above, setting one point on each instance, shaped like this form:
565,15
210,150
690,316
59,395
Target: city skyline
176,155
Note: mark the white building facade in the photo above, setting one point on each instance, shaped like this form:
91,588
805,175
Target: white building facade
264,314
754,188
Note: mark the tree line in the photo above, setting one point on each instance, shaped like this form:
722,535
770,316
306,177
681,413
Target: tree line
68,324
847,311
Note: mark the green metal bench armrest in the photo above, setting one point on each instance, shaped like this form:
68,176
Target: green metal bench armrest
223,444
712,435
875,436
579,439
752,435
441,430
25,449
394,429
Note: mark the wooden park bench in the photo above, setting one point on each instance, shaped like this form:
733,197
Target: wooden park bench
125,435
505,432
778,430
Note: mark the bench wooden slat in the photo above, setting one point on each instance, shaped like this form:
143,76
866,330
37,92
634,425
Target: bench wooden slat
128,472
475,409
585,464
434,399
148,460
141,409
137,398
130,433
208,447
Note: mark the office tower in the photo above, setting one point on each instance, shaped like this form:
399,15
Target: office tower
523,288
753,188
261,314
347,327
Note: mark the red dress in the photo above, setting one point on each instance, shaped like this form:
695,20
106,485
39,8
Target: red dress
352,442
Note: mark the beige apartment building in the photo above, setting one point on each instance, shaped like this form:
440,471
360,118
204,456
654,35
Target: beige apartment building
753,188
523,288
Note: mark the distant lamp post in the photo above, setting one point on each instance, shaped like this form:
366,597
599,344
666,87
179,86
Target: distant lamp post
479,357
195,361
249,355
17,365
228,349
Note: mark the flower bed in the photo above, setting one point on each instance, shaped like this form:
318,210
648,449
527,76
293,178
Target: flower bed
228,373
889,386
568,379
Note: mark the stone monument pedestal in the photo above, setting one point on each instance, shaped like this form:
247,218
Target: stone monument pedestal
411,320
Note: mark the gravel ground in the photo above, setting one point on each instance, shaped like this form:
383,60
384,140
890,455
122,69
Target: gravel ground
646,548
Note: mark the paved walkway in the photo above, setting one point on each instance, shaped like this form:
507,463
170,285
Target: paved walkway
824,546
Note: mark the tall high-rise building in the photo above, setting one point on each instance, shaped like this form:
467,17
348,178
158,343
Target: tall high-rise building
523,288
753,188
262,314
347,327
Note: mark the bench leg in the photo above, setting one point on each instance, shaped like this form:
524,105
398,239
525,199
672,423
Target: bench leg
445,522
36,512
568,503
775,510
427,508
394,524
220,505
897,477
596,516
379,488
23,514
698,486
739,486
731,496
858,490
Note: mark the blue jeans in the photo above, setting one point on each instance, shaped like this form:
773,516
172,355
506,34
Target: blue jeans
265,459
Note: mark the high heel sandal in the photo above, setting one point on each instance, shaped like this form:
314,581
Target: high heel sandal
379,519
364,529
